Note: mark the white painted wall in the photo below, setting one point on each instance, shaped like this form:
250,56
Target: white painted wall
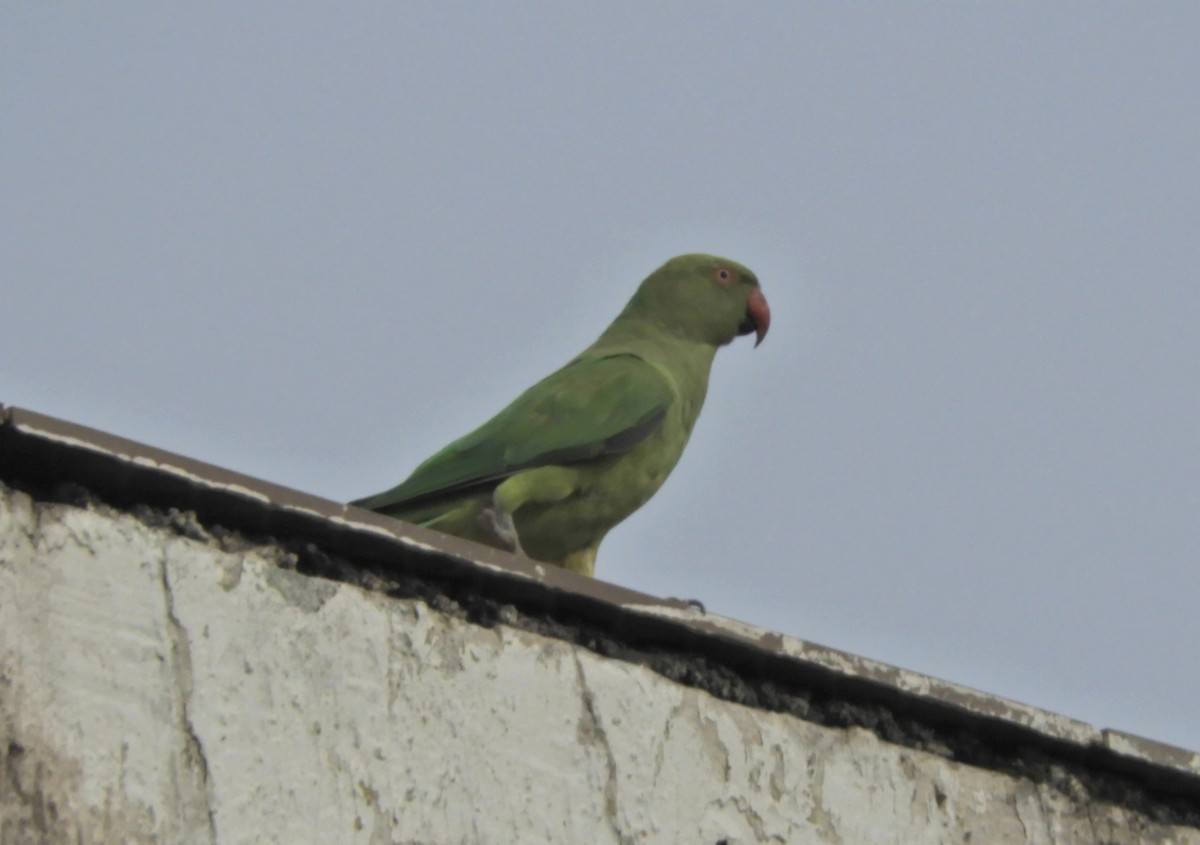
158,688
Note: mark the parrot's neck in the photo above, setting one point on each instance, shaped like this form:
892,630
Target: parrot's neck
686,363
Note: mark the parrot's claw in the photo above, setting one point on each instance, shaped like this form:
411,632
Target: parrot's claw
500,523
695,604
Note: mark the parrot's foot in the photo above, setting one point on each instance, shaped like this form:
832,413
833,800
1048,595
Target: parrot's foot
499,523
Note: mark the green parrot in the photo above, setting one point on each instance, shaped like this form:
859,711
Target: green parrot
588,445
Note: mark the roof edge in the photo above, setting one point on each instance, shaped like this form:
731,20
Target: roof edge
39,450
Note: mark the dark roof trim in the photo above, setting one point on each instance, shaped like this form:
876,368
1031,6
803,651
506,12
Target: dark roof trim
43,451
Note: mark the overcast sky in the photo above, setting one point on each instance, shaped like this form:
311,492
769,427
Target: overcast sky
313,242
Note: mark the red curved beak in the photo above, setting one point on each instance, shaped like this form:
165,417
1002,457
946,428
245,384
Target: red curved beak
759,313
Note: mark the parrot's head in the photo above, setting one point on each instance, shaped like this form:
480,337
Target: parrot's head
703,298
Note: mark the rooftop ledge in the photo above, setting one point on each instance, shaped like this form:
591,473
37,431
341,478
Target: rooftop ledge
728,658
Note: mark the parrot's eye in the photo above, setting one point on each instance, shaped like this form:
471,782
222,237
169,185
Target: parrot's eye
724,276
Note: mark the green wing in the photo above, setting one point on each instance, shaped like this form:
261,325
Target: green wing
590,408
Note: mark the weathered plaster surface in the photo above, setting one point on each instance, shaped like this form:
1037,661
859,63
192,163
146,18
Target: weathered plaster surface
157,687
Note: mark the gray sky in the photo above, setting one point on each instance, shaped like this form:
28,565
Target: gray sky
314,242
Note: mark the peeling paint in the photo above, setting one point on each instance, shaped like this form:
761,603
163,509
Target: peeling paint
308,594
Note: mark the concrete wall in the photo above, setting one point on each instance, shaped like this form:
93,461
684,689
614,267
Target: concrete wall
161,684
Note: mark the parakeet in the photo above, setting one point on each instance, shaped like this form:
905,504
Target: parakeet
588,445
